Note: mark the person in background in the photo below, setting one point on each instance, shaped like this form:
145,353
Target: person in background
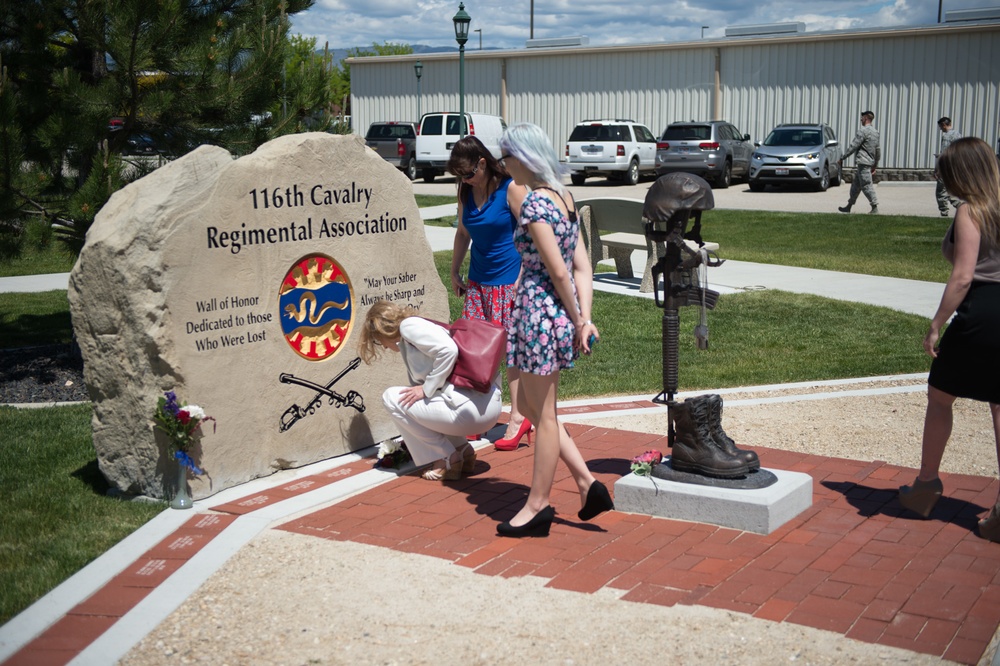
967,361
551,323
432,414
487,198
866,145
948,135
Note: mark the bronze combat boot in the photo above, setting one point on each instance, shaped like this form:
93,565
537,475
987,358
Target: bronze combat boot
724,441
694,448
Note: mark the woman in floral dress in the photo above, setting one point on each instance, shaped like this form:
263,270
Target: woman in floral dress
551,323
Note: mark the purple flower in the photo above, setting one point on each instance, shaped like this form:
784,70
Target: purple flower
172,407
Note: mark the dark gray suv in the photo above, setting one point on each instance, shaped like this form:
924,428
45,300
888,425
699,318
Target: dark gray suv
396,143
714,150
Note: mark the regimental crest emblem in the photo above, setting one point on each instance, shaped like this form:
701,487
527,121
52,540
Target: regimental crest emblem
316,307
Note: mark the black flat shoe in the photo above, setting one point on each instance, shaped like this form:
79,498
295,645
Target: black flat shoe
598,501
538,526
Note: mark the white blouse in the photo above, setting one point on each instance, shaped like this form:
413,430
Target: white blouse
429,354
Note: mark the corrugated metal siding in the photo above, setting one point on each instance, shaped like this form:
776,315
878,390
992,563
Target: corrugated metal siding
908,78
909,82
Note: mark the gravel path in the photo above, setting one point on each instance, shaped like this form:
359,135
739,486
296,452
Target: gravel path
293,599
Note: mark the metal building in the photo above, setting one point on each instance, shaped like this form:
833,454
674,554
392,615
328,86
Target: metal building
909,77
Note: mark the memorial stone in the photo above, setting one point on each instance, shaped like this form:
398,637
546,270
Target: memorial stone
239,284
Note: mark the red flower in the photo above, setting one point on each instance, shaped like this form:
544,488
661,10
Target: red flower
183,416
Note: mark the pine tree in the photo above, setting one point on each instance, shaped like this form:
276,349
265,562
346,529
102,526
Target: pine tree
179,72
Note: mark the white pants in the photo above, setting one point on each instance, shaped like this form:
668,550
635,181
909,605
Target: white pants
434,429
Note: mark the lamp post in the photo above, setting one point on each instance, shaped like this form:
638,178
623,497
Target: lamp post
480,31
703,29
462,21
418,69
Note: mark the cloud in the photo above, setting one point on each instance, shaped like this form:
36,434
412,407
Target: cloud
348,23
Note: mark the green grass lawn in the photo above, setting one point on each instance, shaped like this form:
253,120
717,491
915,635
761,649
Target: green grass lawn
898,246
57,516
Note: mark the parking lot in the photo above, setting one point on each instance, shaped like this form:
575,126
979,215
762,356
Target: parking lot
895,198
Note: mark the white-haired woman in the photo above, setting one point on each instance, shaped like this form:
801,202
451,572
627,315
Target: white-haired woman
551,323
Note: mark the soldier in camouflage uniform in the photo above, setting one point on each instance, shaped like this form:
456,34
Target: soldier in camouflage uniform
866,145
941,193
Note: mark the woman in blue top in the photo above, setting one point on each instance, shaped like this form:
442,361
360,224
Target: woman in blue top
486,198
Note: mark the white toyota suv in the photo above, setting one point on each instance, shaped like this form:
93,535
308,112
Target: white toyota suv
618,149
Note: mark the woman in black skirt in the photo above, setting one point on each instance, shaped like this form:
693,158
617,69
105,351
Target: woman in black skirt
967,360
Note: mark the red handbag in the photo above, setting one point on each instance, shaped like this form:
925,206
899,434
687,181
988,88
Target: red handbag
481,346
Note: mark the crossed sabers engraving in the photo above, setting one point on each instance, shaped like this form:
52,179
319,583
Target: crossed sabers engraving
294,413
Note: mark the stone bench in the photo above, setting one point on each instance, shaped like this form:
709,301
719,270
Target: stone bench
613,228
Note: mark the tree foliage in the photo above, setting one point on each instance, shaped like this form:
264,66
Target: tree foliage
173,73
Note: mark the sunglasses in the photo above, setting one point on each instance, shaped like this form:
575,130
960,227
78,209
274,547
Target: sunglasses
503,160
467,176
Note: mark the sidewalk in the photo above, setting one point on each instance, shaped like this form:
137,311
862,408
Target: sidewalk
912,296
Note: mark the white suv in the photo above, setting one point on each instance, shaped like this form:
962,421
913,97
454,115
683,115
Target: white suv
619,149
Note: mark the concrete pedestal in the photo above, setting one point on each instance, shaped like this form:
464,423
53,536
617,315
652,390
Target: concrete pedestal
761,510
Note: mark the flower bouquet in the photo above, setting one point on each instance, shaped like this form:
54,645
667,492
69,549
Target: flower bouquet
181,424
643,464
392,453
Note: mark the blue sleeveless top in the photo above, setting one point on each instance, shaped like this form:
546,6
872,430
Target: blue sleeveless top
493,258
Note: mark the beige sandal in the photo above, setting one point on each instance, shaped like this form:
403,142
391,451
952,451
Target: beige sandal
444,470
468,459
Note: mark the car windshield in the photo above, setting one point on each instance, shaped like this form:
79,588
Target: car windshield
600,133
390,132
687,133
794,137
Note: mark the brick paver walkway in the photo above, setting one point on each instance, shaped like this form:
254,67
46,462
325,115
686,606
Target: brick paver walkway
852,563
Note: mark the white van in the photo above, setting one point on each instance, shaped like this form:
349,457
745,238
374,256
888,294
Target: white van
440,130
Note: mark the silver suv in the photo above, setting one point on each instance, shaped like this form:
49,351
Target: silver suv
799,153
714,149
619,149
396,143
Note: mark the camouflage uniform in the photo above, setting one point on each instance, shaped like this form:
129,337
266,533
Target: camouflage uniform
940,192
866,145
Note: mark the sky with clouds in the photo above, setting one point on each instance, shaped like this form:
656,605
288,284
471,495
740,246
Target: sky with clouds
348,23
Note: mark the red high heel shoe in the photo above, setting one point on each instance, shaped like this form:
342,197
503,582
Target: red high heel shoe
512,443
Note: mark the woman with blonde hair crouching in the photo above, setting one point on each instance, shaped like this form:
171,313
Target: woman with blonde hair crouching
433,415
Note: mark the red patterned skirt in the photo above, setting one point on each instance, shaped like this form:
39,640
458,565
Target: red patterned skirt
489,302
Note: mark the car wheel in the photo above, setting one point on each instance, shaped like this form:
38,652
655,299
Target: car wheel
429,175
411,168
726,177
578,178
632,177
756,186
824,180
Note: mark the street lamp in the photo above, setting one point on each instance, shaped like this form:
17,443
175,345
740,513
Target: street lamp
418,69
462,21
480,31
703,29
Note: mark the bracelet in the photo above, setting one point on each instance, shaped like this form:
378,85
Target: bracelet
587,323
